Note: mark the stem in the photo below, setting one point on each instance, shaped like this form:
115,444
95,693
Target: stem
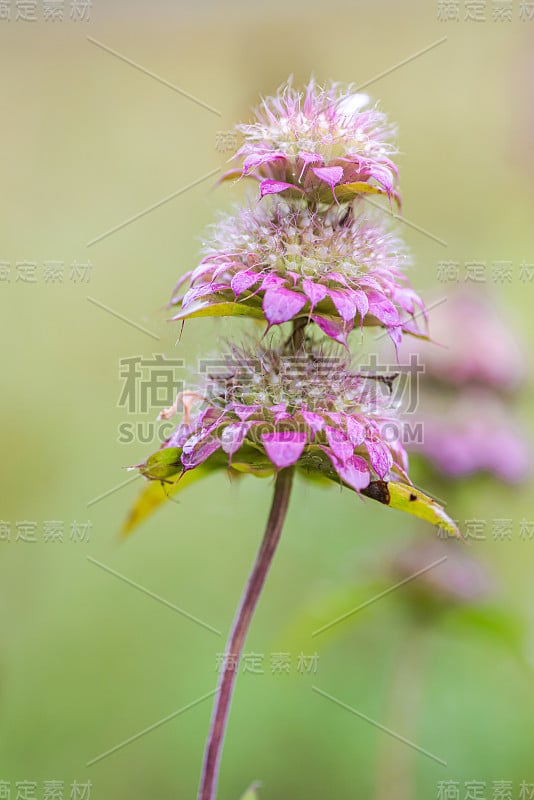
395,763
296,340
238,634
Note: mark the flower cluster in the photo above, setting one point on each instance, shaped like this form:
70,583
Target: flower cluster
325,144
285,261
307,254
268,410
465,406
310,251
311,255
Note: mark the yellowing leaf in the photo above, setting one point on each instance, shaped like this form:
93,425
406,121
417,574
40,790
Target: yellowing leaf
348,191
412,501
155,493
252,793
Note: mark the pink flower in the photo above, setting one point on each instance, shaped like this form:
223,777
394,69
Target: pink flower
481,347
476,433
269,410
324,143
284,261
465,407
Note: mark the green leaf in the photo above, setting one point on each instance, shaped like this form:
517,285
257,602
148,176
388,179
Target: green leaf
500,625
164,471
228,309
251,469
411,501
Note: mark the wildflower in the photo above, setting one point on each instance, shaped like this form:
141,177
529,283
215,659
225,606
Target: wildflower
326,144
474,433
285,261
306,257
465,408
269,410
481,348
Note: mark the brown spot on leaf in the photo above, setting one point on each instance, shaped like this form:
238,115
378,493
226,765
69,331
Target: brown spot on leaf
413,497
378,490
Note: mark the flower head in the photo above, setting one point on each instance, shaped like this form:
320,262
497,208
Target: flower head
265,410
284,261
324,143
482,349
469,423
476,433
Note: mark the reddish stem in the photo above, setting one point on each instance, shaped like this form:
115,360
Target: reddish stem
238,634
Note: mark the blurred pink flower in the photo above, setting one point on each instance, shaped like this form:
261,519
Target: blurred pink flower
474,433
481,348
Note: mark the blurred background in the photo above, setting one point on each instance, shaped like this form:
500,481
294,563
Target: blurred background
116,118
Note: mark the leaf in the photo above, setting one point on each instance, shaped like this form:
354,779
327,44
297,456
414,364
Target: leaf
412,501
156,493
348,191
164,471
250,469
235,175
500,625
228,309
252,792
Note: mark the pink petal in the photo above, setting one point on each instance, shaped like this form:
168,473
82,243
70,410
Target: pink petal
354,472
243,280
330,175
379,456
309,158
337,276
395,335
331,327
271,281
411,326
233,435
355,430
204,268
202,291
275,187
381,308
199,448
284,447
279,411
339,443
344,305
361,302
281,305
315,292
257,159
314,421
243,412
